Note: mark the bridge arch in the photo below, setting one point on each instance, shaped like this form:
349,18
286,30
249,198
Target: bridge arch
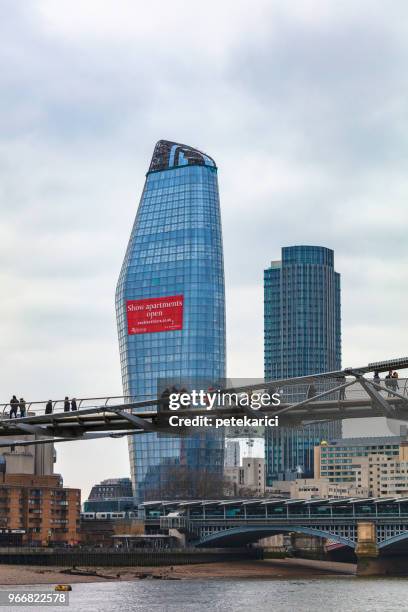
393,542
246,534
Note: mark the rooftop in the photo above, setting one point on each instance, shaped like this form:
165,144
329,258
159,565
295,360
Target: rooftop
169,154
368,441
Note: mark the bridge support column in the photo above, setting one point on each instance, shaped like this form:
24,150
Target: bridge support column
368,562
181,537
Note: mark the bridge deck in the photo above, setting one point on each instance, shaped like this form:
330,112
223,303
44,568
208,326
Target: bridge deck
321,397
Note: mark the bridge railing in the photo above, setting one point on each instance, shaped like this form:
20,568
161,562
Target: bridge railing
36,408
288,394
183,523
173,522
355,392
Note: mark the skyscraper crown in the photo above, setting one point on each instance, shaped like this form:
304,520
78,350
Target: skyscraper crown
169,154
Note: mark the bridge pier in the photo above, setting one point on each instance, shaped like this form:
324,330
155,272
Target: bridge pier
382,566
369,561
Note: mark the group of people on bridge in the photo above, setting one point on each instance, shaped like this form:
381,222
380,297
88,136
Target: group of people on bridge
15,405
68,405
391,380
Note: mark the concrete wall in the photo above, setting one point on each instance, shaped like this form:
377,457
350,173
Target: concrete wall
113,558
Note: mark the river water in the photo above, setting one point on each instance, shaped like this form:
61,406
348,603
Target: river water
343,593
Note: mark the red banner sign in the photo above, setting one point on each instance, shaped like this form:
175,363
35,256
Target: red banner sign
155,314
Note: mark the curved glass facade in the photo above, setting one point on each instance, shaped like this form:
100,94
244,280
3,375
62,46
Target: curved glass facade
302,336
173,270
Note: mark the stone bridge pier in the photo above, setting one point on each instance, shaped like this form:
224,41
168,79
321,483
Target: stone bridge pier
371,560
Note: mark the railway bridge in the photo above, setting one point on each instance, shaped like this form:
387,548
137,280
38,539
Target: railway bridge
375,528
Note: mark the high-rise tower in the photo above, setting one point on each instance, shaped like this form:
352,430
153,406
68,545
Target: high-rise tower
170,309
302,336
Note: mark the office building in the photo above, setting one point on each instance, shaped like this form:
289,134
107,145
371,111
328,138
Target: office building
171,314
337,460
247,478
356,467
375,467
35,459
301,336
111,495
385,476
232,454
321,488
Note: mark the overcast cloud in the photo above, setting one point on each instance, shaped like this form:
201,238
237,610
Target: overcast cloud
303,105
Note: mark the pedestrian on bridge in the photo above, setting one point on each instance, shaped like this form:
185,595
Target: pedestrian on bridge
377,378
165,399
394,380
48,407
342,392
74,404
22,405
389,382
67,404
13,407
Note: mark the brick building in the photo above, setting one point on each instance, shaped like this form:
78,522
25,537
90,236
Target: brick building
48,513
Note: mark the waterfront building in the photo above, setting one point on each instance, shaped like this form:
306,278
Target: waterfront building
41,508
171,314
302,335
111,495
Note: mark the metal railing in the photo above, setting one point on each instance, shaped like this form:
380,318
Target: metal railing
392,388
36,408
355,392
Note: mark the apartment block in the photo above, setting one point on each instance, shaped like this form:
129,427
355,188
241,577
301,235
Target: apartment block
46,512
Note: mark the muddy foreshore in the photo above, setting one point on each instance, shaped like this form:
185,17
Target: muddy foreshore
267,569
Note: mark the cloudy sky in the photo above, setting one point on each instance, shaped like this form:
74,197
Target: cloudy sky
303,105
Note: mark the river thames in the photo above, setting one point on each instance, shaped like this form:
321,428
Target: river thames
346,593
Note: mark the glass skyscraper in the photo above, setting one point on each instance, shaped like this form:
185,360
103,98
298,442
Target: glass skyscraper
170,309
302,327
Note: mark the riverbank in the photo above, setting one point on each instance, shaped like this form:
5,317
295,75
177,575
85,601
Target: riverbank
256,569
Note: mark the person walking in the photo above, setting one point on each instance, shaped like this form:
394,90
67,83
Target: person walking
376,378
22,405
342,392
388,382
13,407
394,380
48,407
67,404
74,404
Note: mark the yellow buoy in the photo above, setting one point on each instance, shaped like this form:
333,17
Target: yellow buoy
63,587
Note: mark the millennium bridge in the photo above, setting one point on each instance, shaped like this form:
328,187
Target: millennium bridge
344,394
375,528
